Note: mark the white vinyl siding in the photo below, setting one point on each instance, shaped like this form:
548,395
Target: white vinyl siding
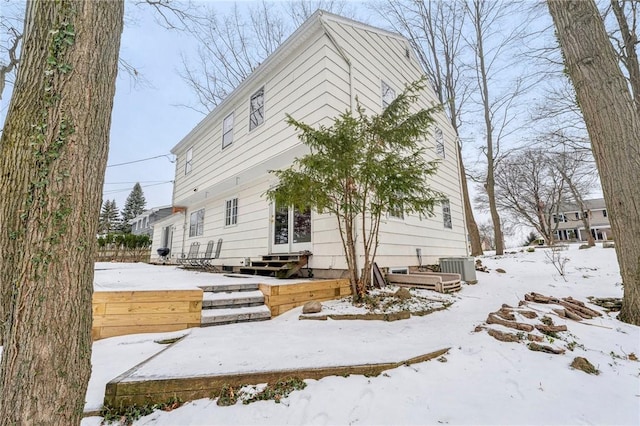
231,212
227,131
196,223
256,109
188,161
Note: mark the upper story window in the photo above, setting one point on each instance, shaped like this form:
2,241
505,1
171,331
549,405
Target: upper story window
189,161
397,211
388,95
227,131
604,213
439,142
196,223
231,212
577,215
446,214
256,109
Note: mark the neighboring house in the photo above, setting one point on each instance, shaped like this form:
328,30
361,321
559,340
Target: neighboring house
223,164
143,223
571,227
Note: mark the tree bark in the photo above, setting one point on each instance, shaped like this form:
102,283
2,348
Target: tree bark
613,123
53,154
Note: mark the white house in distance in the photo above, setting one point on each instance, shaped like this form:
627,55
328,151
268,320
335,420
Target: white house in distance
222,167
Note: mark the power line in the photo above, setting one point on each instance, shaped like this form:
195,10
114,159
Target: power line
142,159
134,182
115,191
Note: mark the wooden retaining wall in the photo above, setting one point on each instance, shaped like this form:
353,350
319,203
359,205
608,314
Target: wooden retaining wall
123,392
116,313
281,298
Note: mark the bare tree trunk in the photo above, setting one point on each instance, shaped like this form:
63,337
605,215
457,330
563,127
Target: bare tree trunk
630,43
472,225
484,89
613,123
53,154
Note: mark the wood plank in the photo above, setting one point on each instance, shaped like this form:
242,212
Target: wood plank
145,319
309,286
98,308
105,332
304,296
147,308
146,296
121,393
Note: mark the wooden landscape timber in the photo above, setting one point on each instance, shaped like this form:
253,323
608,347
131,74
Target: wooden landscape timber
116,313
282,298
123,392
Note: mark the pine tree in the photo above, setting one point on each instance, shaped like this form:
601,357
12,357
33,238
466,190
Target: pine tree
109,217
133,206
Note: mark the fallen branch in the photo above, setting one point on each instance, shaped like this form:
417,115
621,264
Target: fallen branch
543,348
502,336
548,329
492,319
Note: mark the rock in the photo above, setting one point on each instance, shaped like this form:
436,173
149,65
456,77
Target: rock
501,271
312,307
584,246
608,244
403,293
583,364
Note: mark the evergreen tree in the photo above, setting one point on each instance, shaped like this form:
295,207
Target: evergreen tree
133,206
109,217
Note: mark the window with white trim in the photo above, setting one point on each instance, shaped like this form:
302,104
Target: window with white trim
189,161
439,142
388,94
446,214
196,223
256,109
231,212
227,131
396,211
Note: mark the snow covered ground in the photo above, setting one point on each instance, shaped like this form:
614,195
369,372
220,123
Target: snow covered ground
483,381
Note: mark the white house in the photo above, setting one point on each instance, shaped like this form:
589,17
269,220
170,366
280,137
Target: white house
222,167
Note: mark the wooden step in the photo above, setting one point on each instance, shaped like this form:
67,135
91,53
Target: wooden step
237,299
222,288
229,316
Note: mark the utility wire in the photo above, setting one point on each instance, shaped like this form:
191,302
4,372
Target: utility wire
142,159
115,191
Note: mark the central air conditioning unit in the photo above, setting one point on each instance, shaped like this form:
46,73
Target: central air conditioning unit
465,266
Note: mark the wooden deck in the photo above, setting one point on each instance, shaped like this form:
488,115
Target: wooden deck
116,313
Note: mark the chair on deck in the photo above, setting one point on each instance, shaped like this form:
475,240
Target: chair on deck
206,261
193,254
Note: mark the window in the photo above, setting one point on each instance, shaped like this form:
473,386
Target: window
396,210
577,215
604,213
446,214
388,95
256,109
227,131
231,212
439,142
189,161
196,223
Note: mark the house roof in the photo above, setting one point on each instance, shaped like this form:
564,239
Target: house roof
312,24
592,204
149,212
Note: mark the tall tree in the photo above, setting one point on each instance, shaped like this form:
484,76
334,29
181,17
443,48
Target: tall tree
109,217
492,41
434,29
359,169
133,206
613,123
53,153
530,189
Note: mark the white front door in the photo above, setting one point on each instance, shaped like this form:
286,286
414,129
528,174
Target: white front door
290,230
